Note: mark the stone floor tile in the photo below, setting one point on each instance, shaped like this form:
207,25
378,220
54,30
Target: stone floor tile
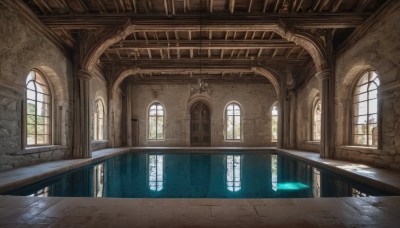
233,211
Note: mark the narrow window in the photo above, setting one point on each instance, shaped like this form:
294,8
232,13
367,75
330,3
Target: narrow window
365,110
274,123
316,118
99,121
156,121
233,122
38,110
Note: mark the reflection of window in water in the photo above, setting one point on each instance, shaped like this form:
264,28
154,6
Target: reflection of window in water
98,179
316,183
44,192
274,172
233,182
357,193
156,172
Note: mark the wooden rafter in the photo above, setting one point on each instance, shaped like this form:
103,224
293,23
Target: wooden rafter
336,6
193,44
265,6
232,6
258,23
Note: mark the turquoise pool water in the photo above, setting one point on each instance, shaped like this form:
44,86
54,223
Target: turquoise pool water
193,175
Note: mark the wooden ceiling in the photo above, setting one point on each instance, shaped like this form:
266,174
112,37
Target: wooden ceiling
166,39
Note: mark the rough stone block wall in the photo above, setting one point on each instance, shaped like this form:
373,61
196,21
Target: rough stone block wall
255,99
305,99
378,50
23,49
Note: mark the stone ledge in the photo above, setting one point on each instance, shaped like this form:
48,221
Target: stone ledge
312,142
366,149
39,149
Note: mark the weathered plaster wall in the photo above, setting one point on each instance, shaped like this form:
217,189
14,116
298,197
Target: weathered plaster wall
23,49
305,99
98,90
255,99
378,50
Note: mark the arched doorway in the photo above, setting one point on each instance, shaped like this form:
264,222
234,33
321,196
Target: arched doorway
200,125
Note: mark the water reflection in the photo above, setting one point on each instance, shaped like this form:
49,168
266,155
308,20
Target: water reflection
316,183
233,173
156,172
274,172
98,180
44,192
247,175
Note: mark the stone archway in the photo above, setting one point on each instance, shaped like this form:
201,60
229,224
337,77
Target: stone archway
200,124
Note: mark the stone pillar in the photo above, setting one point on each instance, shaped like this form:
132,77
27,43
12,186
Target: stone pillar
293,120
128,116
281,115
327,116
82,116
110,121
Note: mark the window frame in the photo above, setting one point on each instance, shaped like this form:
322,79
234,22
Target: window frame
96,121
353,116
316,101
233,103
156,103
50,104
275,104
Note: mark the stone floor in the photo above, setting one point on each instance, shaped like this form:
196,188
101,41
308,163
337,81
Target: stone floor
18,211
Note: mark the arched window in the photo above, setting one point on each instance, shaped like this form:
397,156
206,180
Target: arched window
38,110
274,123
233,122
316,120
156,121
99,121
365,110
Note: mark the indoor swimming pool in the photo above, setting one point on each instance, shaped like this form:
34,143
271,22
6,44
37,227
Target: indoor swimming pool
199,175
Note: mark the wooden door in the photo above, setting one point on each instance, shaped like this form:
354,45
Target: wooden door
200,125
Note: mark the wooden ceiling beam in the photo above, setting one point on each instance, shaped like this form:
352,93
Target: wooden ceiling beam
165,7
265,6
232,6
83,5
41,8
276,8
173,7
299,6
214,61
135,6
250,6
211,6
47,6
194,44
259,23
336,6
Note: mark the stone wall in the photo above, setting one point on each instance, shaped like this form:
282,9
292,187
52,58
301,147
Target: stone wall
306,97
23,49
255,99
378,50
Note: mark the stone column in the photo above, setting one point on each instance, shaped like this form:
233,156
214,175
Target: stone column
282,137
110,120
327,115
293,120
128,116
82,116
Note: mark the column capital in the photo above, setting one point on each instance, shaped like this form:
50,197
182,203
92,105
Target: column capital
323,74
84,74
